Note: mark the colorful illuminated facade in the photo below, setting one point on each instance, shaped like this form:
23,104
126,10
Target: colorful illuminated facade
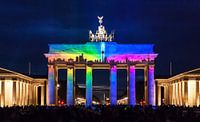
101,53
180,90
21,90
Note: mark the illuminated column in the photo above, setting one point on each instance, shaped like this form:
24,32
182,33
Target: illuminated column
29,94
177,95
179,92
169,93
165,94
113,85
74,86
24,94
197,93
24,97
186,92
21,92
131,86
36,95
56,84
51,85
27,90
173,94
33,94
9,92
182,93
145,84
17,92
14,92
2,93
70,86
42,95
159,95
88,86
171,90
151,85
191,92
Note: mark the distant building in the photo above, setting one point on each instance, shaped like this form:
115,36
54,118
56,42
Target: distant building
19,89
182,89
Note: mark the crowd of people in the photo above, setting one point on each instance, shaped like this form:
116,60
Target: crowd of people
99,114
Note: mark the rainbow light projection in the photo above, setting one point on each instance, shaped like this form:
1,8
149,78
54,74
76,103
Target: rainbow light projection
51,86
151,85
70,86
98,51
113,85
88,86
132,88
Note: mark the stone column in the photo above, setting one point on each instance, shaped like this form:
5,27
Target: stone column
17,92
166,94
159,95
197,93
113,85
70,87
173,94
27,90
74,85
33,94
145,84
24,92
51,85
36,95
8,92
186,93
131,86
151,85
29,94
2,93
14,92
56,85
182,93
20,92
171,90
179,92
42,95
88,86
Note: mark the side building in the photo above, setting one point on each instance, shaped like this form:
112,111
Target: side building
22,90
180,90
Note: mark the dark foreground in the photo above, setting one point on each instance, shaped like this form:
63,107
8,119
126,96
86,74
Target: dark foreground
100,114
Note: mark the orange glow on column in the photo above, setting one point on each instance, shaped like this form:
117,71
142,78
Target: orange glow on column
0,87
191,92
9,92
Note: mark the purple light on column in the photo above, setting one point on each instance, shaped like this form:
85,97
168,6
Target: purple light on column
151,85
51,85
132,93
113,85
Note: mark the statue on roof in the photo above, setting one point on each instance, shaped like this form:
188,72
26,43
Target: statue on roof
101,34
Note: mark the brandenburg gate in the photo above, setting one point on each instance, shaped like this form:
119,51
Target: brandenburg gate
101,53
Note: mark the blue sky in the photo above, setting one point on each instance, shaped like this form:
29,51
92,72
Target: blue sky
27,27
